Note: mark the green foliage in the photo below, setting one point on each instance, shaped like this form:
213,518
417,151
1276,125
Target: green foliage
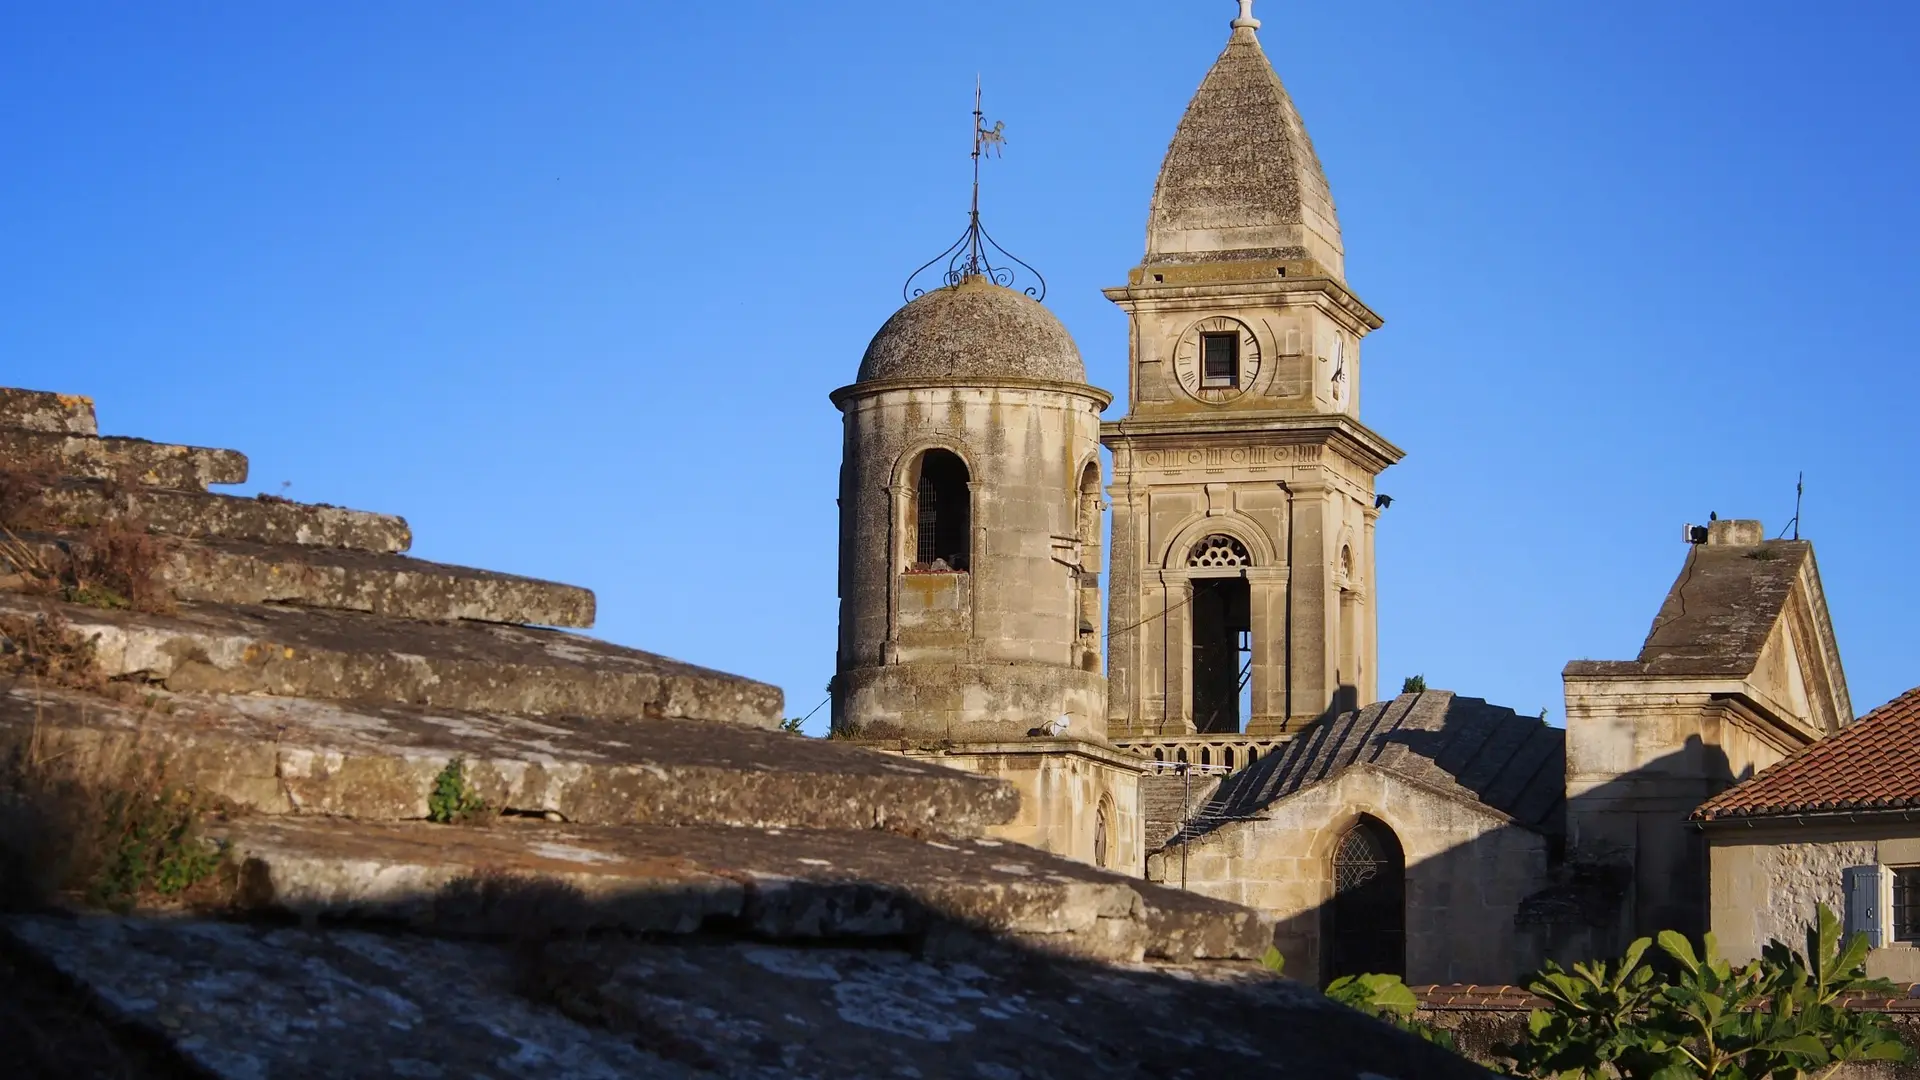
1273,961
1779,1018
451,800
791,725
1386,997
150,845
1414,684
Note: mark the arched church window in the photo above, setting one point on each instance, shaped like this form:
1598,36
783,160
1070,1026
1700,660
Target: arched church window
1365,926
942,512
1219,550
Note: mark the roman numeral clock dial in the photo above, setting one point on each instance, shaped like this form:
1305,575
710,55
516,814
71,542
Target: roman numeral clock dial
1217,360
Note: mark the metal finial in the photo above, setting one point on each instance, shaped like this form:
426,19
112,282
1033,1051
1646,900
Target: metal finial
1246,19
974,254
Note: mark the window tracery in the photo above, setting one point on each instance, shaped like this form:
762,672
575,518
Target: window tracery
1219,550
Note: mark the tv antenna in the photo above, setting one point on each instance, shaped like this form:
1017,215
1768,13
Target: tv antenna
1799,492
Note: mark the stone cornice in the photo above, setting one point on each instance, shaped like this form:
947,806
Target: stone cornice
842,396
1176,295
1350,436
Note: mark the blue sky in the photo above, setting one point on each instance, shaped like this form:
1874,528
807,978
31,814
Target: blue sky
567,284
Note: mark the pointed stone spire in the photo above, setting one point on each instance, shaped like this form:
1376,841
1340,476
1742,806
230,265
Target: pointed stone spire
1241,180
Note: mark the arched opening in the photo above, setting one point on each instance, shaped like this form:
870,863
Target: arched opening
942,512
1087,576
1222,624
1364,924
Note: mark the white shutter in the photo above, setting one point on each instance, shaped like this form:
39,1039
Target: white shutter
1861,885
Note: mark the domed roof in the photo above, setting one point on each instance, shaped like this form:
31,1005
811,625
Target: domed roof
973,330
1241,180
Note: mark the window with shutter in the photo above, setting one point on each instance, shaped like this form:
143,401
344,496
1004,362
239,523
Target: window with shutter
1861,885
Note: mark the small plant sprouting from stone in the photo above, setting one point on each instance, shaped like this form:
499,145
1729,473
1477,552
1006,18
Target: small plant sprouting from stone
153,847
1273,961
1414,684
451,801
792,724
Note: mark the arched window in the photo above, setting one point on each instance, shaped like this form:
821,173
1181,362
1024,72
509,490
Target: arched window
942,512
1365,924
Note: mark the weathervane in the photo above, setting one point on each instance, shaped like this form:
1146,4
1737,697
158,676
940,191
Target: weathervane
976,254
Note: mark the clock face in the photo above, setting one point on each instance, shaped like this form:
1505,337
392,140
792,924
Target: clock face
1217,359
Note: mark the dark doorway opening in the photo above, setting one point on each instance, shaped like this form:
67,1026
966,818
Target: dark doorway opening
1365,926
942,513
1222,643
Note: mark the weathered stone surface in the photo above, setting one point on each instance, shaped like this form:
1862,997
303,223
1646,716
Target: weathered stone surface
292,756
1241,179
127,460
291,652
536,878
972,331
38,410
247,1001
203,515
237,572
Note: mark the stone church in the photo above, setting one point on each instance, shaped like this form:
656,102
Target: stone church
1227,732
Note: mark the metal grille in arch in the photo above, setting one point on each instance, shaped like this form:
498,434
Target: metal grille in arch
1218,550
1358,860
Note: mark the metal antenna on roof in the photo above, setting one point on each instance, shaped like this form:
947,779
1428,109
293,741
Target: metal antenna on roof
1799,491
976,254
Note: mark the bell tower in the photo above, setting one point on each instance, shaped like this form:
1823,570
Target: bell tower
1242,596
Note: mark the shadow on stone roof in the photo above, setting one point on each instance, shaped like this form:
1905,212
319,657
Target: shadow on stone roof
1454,746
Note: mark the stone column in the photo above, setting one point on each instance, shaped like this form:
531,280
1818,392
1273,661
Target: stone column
1370,613
1127,587
1315,607
1267,591
900,535
1176,662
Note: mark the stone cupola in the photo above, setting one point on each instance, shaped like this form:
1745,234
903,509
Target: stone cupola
969,524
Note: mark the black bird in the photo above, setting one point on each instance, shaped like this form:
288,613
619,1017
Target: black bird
1381,502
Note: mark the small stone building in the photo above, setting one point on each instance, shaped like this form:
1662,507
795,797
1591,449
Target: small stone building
1838,824
1739,670
1401,837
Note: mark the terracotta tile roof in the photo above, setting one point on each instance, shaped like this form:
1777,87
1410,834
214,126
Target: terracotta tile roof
1470,997
1871,764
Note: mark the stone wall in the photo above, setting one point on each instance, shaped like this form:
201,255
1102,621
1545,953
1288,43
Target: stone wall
1067,789
998,650
1468,868
1768,877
